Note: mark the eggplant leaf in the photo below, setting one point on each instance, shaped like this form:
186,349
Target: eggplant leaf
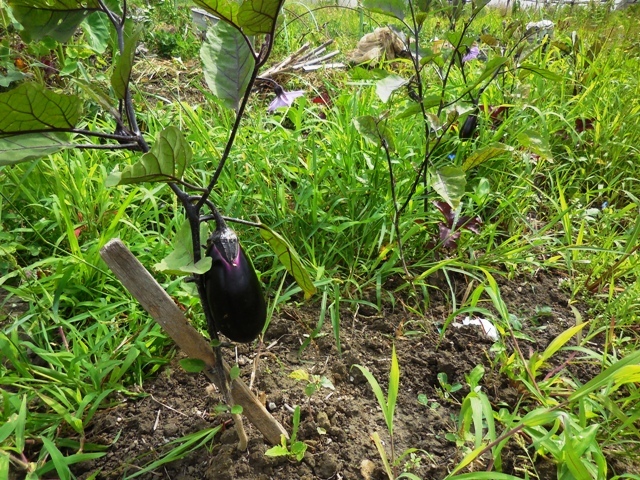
374,131
227,10
482,155
415,108
57,19
386,86
97,31
449,182
13,75
166,161
227,63
290,259
22,148
258,16
122,72
31,107
394,8
180,261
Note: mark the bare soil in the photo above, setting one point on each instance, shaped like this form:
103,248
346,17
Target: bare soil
337,424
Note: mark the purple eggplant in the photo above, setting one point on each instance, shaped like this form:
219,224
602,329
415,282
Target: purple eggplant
469,126
233,290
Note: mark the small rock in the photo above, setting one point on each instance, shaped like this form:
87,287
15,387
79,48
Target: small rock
309,460
326,466
229,437
272,406
170,430
323,420
367,467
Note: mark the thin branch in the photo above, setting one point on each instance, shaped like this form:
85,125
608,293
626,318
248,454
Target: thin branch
396,215
109,146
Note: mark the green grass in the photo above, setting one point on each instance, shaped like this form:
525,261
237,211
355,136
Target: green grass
321,185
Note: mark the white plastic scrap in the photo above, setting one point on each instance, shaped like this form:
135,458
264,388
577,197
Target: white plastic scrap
487,327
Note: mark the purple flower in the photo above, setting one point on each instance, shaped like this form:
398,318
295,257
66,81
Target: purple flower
284,99
472,54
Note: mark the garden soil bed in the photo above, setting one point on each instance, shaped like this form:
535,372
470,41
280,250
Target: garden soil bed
336,424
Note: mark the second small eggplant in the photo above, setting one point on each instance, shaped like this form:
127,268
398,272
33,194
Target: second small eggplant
469,126
233,290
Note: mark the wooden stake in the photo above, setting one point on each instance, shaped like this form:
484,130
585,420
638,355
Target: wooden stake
144,288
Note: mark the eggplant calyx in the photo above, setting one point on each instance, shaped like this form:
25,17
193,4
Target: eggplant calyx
226,243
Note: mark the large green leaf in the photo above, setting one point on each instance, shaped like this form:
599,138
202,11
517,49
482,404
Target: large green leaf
394,8
290,259
122,73
97,29
482,155
166,161
449,182
258,16
227,63
22,148
57,19
180,260
31,107
227,10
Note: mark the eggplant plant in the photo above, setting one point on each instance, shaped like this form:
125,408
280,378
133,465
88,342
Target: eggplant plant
445,82
36,121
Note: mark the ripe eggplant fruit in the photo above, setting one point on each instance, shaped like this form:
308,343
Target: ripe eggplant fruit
233,290
469,126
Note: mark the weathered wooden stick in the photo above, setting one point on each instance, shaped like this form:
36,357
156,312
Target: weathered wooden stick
144,288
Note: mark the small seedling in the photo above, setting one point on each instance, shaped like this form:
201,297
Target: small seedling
314,382
295,449
446,389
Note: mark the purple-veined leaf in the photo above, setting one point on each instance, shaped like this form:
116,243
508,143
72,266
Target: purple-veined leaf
166,162
258,16
290,259
122,72
447,212
227,10
470,223
227,63
31,107
57,19
448,237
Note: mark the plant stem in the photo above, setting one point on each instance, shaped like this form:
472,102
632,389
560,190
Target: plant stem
396,214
